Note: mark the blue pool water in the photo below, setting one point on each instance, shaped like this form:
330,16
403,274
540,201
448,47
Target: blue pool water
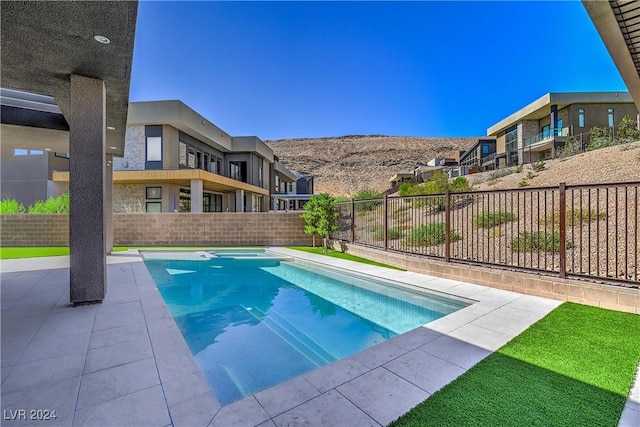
253,320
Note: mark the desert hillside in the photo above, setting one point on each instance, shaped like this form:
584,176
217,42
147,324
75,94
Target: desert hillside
612,164
344,165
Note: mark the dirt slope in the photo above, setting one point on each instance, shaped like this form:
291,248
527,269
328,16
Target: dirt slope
344,165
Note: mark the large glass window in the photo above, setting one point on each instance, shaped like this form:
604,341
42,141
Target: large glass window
154,192
154,149
559,131
182,153
154,207
257,203
581,117
610,117
238,171
211,202
511,139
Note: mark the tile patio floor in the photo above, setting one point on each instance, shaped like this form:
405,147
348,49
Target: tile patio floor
124,362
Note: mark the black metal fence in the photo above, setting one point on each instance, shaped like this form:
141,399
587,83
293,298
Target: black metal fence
588,231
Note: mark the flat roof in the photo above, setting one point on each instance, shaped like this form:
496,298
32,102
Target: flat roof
541,106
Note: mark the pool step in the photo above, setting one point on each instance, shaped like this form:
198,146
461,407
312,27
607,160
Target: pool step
293,336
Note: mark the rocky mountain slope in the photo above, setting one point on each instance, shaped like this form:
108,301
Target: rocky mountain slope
344,165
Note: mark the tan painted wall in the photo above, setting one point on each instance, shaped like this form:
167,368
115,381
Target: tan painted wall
277,229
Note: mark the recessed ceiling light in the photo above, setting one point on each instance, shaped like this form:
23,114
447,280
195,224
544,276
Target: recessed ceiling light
110,128
113,148
101,39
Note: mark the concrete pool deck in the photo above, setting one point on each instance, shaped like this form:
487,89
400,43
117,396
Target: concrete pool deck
124,362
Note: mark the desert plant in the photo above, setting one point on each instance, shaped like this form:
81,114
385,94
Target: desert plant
531,175
430,234
524,182
570,148
575,217
539,166
58,204
488,220
342,199
518,169
600,138
321,217
367,194
11,206
537,241
499,174
627,130
393,233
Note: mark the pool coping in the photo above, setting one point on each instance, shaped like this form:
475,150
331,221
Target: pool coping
372,387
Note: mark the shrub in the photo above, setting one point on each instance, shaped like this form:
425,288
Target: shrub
600,138
430,234
524,182
539,166
518,169
576,216
58,204
393,233
536,241
459,185
488,220
499,174
531,175
321,217
570,148
367,194
627,130
437,184
11,206
341,199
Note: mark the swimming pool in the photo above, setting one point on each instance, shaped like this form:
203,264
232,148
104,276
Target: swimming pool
253,319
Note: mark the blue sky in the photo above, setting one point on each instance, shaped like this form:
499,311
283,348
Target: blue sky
313,69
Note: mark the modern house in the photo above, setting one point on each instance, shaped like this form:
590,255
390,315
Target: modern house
475,159
175,160
534,132
293,195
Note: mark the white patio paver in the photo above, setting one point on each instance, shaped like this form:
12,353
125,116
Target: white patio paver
125,362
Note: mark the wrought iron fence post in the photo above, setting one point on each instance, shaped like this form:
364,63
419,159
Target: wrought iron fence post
386,222
563,229
447,227
353,221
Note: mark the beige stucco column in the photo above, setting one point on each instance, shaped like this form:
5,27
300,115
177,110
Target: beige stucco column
239,200
196,195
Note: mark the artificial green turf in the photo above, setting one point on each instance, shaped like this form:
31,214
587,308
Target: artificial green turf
336,254
573,368
39,251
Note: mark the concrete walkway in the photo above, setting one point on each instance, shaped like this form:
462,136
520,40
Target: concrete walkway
124,362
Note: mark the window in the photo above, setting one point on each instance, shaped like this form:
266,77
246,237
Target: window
20,152
511,139
559,131
257,203
260,181
185,200
610,117
238,171
154,192
485,149
581,117
154,207
211,202
154,149
191,160
546,131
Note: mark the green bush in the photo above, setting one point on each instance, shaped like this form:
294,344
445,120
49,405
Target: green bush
438,184
575,217
531,175
539,166
570,148
11,206
536,241
600,138
627,131
430,234
524,182
341,199
58,204
488,220
393,233
518,169
367,194
499,174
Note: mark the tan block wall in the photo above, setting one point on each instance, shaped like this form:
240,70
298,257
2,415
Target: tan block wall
597,294
130,229
34,230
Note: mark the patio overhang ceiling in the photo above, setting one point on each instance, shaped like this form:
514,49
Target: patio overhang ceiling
181,177
44,43
618,23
